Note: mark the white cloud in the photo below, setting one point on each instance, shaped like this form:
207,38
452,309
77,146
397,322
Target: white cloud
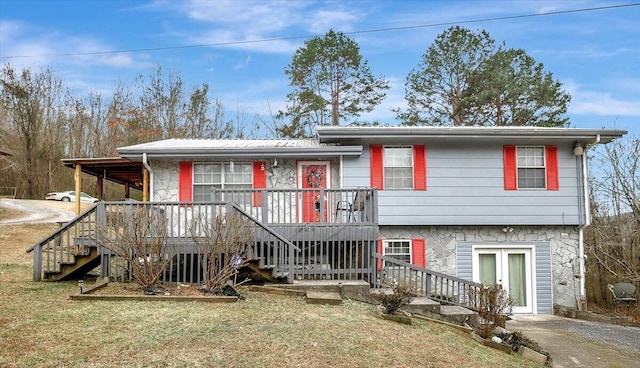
8,30
31,47
585,102
241,23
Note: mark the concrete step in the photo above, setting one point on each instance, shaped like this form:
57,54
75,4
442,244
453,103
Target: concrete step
348,289
422,305
323,297
458,315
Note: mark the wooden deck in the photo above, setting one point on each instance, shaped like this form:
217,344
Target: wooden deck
335,241
336,244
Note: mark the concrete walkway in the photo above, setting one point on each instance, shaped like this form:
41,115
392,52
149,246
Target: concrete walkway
578,343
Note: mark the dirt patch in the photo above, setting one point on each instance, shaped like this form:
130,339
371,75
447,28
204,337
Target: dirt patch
6,213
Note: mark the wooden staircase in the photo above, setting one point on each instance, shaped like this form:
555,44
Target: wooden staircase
77,267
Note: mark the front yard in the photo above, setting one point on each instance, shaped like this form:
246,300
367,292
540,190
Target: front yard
41,327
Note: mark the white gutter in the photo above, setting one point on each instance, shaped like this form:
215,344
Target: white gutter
146,165
341,172
587,217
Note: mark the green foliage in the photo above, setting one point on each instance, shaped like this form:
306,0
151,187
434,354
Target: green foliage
331,83
464,79
400,296
510,88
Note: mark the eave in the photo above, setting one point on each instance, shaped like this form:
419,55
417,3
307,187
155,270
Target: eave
135,154
350,135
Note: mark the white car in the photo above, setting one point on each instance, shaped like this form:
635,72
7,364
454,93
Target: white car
70,196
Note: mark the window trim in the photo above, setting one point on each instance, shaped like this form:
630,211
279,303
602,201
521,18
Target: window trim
544,167
552,169
387,241
222,164
411,149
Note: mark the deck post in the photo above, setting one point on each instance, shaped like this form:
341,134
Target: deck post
265,207
37,263
290,277
323,203
374,207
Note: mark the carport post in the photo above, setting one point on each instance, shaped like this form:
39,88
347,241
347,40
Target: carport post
78,187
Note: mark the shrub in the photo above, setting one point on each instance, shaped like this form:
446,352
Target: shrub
399,297
494,305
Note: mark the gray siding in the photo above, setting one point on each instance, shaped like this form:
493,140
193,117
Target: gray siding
543,278
465,186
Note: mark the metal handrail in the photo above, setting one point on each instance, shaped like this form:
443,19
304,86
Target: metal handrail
434,285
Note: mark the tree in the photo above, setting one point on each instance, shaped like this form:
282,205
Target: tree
224,246
34,106
613,240
434,90
464,79
331,83
142,250
510,88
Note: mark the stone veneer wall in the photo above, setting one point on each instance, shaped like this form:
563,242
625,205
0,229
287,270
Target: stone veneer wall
442,243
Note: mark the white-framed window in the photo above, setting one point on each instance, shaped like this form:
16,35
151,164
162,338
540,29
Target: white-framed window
531,167
207,177
398,167
399,249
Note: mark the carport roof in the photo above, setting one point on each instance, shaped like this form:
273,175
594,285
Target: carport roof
114,169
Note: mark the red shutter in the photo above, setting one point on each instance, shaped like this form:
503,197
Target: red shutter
419,168
510,177
377,167
259,181
380,250
185,181
418,252
552,168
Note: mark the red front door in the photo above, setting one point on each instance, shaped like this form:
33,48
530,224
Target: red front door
314,175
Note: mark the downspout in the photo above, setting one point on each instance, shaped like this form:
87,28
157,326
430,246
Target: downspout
587,218
146,166
341,172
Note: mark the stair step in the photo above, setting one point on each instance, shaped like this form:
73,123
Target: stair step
323,297
456,314
423,305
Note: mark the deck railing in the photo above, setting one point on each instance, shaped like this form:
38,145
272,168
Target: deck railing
443,288
62,246
321,250
291,206
179,223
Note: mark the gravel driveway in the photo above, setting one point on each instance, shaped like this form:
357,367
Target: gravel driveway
578,343
38,211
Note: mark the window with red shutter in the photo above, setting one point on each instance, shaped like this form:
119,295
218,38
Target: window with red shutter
531,167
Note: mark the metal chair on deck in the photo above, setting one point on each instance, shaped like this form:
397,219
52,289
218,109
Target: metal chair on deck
623,293
350,208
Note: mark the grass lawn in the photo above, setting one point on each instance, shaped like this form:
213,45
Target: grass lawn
41,327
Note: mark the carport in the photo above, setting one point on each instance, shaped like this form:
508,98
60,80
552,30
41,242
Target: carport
118,170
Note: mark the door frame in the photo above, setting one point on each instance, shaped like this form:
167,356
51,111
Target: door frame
503,250
299,164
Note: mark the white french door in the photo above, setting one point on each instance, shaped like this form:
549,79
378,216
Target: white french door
509,267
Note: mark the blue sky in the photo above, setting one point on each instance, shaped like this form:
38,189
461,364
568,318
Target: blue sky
595,54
